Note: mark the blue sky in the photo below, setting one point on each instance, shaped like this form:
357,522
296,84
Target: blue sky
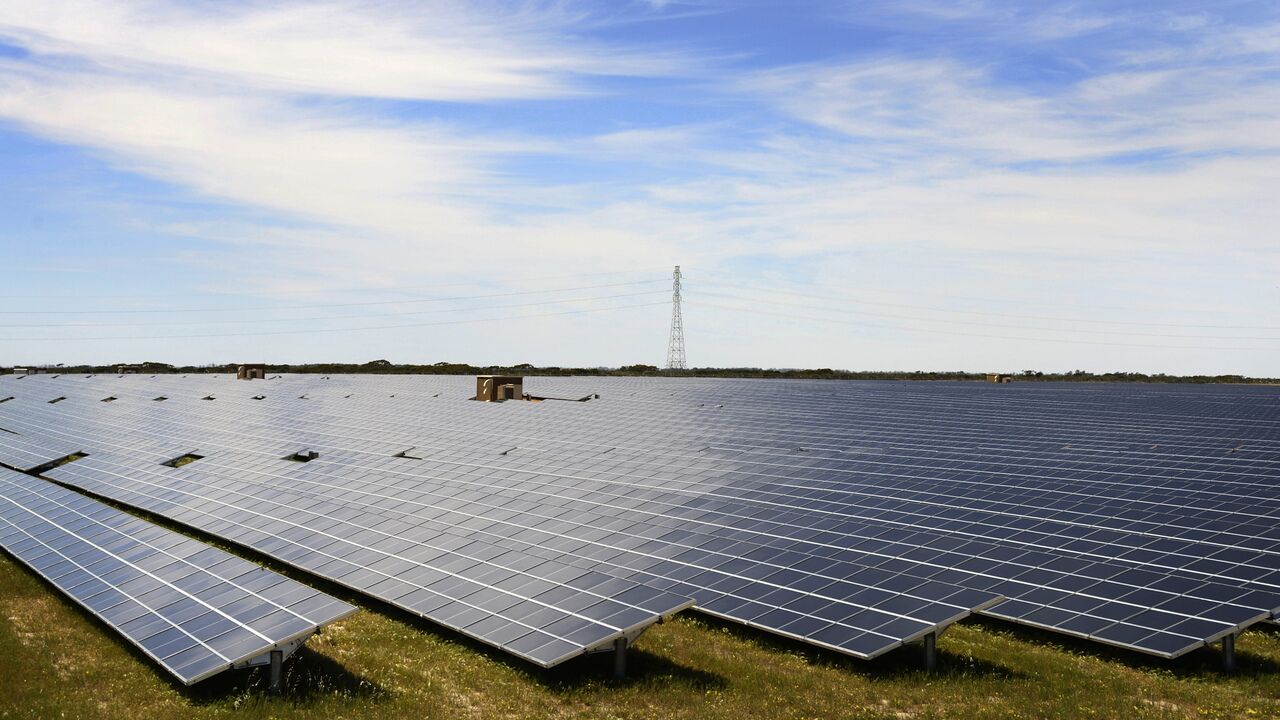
868,185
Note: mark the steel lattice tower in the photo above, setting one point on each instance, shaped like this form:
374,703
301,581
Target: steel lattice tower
675,346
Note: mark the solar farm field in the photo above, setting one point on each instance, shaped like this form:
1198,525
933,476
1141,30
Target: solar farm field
660,547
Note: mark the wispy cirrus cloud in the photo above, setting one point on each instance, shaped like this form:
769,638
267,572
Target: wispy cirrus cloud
1060,149
1029,22
259,107
443,51
942,106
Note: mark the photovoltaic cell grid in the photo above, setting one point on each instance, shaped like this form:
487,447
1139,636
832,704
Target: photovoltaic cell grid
192,608
538,607
884,617
894,472
831,611
27,454
812,600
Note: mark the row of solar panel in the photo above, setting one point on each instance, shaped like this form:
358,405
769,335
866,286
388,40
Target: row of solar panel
194,609
242,512
1076,456
901,461
1107,618
219,493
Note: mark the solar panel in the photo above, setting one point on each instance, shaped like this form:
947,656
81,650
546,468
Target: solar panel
828,611
194,609
819,605
26,453
538,607
1135,516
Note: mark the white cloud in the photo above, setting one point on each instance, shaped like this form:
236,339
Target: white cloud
213,100
893,174
452,51
927,107
1017,22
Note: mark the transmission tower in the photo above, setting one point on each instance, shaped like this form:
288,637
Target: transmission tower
675,346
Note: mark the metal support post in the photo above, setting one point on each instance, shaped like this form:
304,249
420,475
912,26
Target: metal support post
930,651
277,672
619,658
1229,653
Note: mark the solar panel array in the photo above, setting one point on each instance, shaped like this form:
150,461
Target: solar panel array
552,544
194,609
858,516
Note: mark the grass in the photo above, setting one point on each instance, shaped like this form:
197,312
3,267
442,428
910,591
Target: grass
57,661
183,460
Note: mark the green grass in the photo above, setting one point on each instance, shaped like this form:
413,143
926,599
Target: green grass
57,661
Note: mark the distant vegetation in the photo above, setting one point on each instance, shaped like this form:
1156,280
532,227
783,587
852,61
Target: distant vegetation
448,368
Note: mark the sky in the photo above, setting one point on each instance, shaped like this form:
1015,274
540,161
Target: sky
921,184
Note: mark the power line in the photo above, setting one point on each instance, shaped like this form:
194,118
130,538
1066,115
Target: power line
320,306
246,321
856,301
319,291
328,330
1123,333
927,331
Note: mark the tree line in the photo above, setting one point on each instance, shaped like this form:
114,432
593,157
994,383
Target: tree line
641,370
